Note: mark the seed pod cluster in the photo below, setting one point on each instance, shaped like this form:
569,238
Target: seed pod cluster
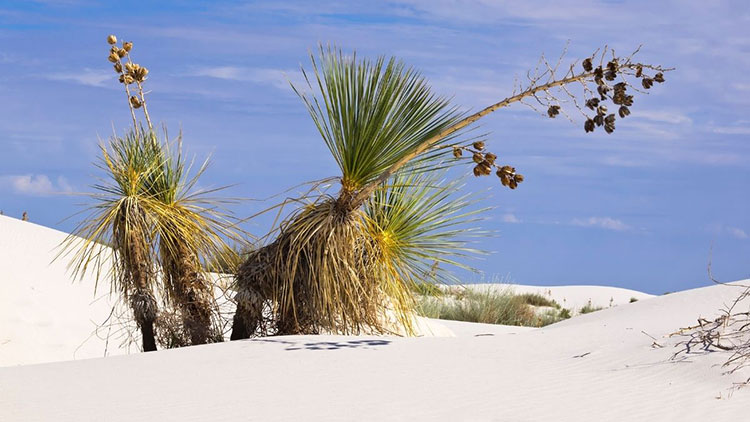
484,162
129,72
616,93
509,177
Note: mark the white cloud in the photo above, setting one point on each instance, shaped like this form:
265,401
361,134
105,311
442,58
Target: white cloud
732,130
724,230
671,117
737,232
88,77
510,218
278,78
602,223
35,184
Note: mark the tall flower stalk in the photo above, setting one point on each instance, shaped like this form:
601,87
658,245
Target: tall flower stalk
161,228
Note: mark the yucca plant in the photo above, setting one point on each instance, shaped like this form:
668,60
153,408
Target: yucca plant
122,218
160,226
325,271
192,226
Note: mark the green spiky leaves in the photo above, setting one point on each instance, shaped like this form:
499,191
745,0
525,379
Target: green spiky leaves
371,114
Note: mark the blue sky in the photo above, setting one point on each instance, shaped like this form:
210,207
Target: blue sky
642,208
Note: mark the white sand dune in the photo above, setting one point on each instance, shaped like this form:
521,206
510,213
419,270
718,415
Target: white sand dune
44,315
595,367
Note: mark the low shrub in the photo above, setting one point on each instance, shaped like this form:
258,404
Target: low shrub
492,307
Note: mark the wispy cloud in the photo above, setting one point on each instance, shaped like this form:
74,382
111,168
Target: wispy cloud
606,223
737,232
510,218
724,230
88,77
35,184
732,130
278,78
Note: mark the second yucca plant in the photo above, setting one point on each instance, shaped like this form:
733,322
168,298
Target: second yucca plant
334,267
329,269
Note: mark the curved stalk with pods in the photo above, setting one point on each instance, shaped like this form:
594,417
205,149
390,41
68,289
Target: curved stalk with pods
327,271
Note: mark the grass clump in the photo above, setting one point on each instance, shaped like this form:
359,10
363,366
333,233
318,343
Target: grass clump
589,308
492,307
535,299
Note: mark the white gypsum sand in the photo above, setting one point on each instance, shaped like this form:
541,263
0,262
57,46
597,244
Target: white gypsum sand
600,366
594,367
46,316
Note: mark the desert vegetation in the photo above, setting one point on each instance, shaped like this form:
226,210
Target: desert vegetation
489,306
331,268
729,333
160,227
339,261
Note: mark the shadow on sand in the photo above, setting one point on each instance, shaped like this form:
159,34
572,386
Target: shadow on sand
326,345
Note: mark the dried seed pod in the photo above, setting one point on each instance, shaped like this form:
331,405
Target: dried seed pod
609,128
140,74
127,46
111,39
613,65
478,145
490,158
610,119
126,79
587,66
599,119
118,67
628,100
518,178
113,57
507,170
512,184
638,71
647,82
114,49
602,109
589,126
485,168
477,157
610,75
624,111
592,103
130,67
602,90
135,102
659,77
477,171
457,152
504,179
553,111
122,53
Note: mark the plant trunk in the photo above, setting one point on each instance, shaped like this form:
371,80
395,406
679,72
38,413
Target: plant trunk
147,333
191,292
138,265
